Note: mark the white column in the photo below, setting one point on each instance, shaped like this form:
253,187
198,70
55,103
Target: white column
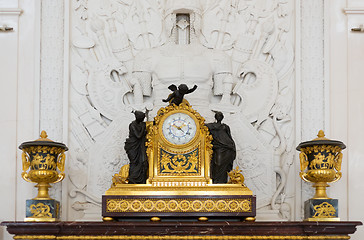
311,82
355,112
51,91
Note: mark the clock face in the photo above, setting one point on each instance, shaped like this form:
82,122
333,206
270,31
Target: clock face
179,128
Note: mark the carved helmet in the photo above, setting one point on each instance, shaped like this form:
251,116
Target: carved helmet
191,7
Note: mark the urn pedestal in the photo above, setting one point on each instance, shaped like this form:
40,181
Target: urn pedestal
43,157
320,161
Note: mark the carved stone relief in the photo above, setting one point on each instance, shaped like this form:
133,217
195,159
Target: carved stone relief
125,53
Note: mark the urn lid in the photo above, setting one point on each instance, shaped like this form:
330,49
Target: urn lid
43,141
321,140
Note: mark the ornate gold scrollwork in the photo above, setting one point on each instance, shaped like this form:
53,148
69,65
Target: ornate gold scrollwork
122,176
40,210
179,205
179,163
324,210
326,158
236,176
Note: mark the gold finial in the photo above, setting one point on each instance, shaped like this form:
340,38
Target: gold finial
44,137
43,134
321,134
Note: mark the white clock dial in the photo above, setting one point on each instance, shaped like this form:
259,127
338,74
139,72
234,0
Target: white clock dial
179,128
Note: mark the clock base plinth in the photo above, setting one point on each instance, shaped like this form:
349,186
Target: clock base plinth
145,201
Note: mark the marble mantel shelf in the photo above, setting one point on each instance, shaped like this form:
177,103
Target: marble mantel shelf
182,230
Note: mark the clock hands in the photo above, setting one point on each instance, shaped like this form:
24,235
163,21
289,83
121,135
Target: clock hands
179,127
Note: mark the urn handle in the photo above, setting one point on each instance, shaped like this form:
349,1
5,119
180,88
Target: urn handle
25,161
60,177
338,160
61,161
25,176
303,176
303,161
337,177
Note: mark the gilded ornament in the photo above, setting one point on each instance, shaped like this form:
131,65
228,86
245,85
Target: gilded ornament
121,177
209,205
40,211
172,205
148,205
124,205
155,219
112,205
322,158
190,160
45,161
303,161
184,205
320,161
221,205
160,205
136,205
180,205
324,210
179,182
197,205
203,219
233,205
25,161
236,176
245,205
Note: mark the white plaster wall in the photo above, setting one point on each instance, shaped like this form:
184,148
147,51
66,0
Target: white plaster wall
18,103
347,104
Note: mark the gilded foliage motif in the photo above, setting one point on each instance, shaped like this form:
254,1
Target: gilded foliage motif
179,163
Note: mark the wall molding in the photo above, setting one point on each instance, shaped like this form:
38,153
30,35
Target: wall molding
357,10
11,11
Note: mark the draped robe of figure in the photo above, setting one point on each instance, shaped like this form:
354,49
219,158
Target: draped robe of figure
136,151
224,152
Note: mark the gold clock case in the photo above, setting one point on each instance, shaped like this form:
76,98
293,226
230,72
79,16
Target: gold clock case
185,164
179,183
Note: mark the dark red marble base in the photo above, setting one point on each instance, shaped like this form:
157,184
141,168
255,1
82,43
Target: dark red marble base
182,228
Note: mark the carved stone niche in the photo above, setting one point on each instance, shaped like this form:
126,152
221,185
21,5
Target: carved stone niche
124,55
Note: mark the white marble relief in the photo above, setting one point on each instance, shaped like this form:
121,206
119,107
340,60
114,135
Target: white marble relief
124,55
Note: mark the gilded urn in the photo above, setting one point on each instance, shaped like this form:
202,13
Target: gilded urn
45,160
320,161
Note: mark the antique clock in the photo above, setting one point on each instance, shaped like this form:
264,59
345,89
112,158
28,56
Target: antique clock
179,147
179,152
